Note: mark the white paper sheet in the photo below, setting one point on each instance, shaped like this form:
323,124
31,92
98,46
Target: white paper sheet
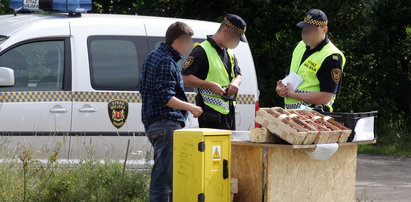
323,151
364,129
294,79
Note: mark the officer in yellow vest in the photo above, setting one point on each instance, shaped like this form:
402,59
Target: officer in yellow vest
318,62
212,69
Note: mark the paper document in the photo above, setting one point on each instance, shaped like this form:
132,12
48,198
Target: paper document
293,79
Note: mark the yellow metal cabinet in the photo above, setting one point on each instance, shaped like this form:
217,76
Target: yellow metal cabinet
201,165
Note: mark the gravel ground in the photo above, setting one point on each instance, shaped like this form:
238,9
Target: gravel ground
383,178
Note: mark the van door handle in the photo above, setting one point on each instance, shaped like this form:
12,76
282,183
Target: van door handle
225,169
87,109
59,110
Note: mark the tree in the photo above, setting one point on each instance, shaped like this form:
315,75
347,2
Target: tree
375,36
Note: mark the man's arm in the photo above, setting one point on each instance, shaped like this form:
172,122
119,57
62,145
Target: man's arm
165,87
179,104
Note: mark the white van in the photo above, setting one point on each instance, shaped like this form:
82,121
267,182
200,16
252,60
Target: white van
80,75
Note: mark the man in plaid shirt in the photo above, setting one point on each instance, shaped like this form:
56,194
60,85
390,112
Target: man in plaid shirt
165,105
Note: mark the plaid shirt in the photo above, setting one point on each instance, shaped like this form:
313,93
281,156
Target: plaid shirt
161,79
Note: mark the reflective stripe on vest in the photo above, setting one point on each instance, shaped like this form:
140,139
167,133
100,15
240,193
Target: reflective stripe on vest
309,68
208,97
216,73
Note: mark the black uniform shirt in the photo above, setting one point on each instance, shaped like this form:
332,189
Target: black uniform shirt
197,62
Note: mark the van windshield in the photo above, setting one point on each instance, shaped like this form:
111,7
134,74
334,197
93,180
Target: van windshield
3,38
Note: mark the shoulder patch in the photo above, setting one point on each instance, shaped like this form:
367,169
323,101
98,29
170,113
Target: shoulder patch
336,75
188,62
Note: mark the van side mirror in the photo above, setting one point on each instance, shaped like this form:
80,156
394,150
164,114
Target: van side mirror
6,77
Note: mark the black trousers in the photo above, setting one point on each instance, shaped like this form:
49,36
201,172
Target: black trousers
213,119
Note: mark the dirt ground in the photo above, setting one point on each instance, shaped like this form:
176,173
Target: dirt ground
382,178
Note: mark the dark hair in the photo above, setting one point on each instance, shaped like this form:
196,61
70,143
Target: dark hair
176,30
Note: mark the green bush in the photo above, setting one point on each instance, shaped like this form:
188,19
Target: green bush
89,180
93,181
395,143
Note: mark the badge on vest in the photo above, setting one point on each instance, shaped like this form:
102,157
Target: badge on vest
336,75
188,62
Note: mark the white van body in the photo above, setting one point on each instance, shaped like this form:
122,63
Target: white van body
68,69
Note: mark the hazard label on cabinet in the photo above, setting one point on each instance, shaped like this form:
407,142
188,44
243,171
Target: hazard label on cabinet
216,153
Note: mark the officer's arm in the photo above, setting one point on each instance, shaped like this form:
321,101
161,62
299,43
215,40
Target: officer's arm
235,83
195,82
192,69
192,72
311,97
238,78
329,76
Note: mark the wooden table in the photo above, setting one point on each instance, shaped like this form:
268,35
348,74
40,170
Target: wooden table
277,172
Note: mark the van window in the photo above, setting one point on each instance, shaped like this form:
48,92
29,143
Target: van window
38,66
115,61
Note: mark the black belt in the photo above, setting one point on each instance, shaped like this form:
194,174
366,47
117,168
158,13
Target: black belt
165,118
182,124
320,108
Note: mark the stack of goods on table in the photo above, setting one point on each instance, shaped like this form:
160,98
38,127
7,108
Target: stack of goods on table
298,127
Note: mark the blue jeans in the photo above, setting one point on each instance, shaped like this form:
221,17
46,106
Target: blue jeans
160,135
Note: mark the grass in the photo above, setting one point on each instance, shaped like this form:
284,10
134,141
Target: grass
90,180
390,143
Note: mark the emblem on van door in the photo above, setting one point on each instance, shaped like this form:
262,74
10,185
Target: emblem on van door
118,112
